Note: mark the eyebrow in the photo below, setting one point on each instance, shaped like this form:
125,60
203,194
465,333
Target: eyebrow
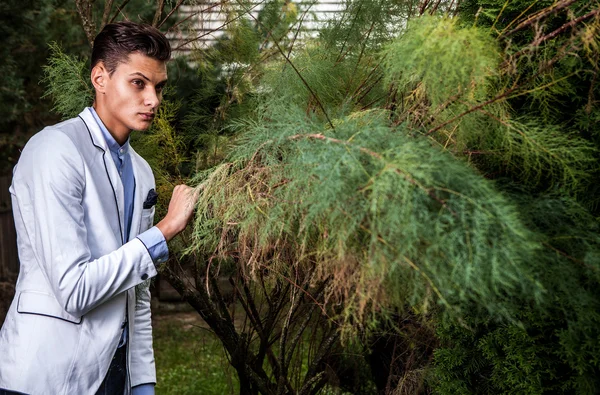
148,79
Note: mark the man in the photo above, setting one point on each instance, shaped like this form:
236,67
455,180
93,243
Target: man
83,202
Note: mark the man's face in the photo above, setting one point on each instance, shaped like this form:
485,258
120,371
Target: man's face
129,99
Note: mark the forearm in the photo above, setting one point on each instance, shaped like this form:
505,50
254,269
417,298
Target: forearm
84,284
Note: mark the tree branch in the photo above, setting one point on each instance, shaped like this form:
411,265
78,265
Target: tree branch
107,9
160,6
536,43
200,301
287,59
218,28
564,27
539,16
193,14
119,9
302,327
84,8
311,375
170,13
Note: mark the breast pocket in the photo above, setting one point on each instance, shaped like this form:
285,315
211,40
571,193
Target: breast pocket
147,219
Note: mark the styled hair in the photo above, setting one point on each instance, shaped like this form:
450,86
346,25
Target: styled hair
117,41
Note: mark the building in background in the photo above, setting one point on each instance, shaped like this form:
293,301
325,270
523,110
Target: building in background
211,19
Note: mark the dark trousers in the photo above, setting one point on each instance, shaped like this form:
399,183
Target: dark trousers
116,378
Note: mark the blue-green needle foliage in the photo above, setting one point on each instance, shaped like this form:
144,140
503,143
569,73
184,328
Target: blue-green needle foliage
402,220
404,165
318,180
455,69
402,175
446,59
65,82
555,350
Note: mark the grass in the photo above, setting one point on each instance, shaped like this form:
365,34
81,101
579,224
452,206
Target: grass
189,358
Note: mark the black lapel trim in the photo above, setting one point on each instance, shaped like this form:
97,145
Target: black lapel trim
107,175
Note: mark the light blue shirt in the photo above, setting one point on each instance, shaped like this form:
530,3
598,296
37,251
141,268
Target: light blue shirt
153,238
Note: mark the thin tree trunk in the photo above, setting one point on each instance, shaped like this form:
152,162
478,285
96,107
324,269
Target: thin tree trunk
84,8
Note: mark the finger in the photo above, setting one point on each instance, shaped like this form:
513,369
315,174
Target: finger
196,193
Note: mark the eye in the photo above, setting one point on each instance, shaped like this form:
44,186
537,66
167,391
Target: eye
160,88
138,83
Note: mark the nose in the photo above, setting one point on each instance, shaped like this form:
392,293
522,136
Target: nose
152,99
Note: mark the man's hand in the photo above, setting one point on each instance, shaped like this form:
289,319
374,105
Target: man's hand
181,209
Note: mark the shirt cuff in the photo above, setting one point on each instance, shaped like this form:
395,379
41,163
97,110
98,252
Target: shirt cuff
143,389
156,244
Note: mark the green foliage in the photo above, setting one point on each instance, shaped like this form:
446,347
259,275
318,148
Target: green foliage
426,53
434,165
539,155
274,19
359,191
553,350
190,360
399,212
555,347
163,148
422,63
64,78
338,87
366,25
226,83
26,27
557,75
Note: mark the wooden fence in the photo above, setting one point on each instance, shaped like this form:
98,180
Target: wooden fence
9,259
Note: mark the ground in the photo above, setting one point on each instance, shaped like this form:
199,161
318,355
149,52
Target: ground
189,358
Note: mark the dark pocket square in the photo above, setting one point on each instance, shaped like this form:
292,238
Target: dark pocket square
151,199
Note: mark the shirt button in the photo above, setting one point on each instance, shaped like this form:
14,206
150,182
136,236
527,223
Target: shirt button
144,276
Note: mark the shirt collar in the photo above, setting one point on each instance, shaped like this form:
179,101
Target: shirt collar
110,140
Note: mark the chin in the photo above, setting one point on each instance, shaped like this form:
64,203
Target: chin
142,126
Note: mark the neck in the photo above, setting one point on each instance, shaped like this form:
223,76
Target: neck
120,135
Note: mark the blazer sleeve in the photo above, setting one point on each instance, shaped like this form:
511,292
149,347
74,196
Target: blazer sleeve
49,184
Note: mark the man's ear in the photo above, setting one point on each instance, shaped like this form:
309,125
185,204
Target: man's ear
99,77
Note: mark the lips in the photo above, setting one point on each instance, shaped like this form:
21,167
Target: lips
147,116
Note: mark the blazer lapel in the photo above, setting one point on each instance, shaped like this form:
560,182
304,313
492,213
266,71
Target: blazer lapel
109,165
142,186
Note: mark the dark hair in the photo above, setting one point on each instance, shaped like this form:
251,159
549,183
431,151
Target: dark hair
117,41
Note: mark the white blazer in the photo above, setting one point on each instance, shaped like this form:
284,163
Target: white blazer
76,275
